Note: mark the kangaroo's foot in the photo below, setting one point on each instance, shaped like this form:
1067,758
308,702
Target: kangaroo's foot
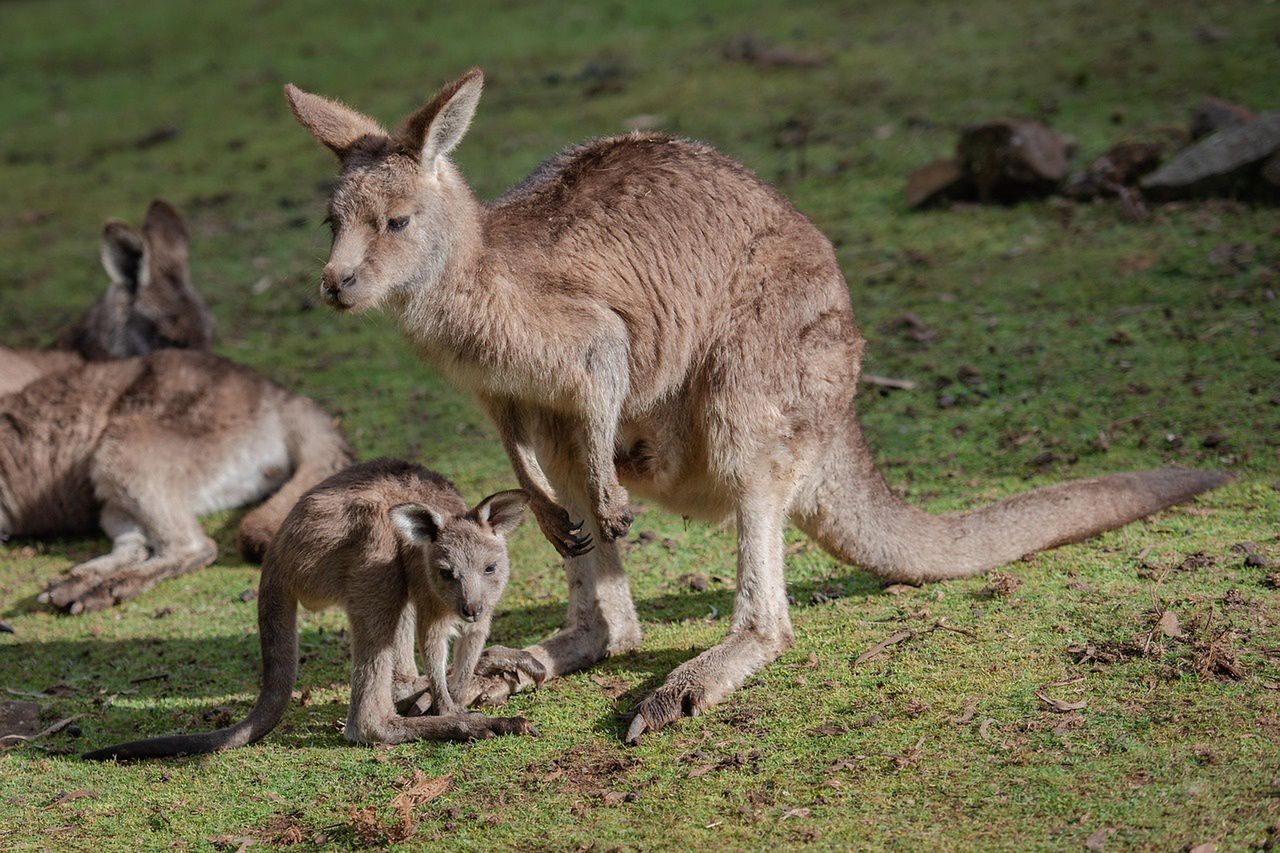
564,534
84,590
704,681
457,727
501,673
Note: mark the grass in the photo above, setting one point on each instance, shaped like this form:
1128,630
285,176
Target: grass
941,741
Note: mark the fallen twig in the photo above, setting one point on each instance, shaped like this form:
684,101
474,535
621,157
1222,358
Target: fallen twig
52,729
889,382
158,676
880,647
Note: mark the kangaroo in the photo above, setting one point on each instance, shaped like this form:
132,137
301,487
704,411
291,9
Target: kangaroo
140,447
392,544
643,308
149,303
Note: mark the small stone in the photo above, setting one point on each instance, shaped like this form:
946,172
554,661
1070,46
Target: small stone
1213,114
938,182
1012,159
1228,162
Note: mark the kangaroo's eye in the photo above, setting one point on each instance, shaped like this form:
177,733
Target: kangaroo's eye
447,574
397,223
490,569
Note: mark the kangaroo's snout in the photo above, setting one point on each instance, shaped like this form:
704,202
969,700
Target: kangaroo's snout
336,281
470,612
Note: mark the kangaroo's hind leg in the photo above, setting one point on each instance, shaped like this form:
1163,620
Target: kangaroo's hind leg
148,484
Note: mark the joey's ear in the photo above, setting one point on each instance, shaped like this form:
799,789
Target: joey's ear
503,511
123,253
416,523
166,233
438,127
336,125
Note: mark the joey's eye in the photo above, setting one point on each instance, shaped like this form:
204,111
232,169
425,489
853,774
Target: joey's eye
447,574
397,223
490,569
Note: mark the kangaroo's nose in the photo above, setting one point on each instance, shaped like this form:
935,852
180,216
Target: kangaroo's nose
471,612
337,280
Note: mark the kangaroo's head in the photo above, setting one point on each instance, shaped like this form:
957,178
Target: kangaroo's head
462,559
150,303
400,208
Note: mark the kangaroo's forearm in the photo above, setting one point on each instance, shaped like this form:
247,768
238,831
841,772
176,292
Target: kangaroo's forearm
514,434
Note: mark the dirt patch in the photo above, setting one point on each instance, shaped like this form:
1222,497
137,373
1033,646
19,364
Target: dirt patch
584,771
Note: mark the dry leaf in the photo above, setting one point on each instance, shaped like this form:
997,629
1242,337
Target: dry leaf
700,770
984,730
967,714
879,648
1207,847
1169,624
419,790
72,796
828,729
1097,840
899,588
799,812
1062,706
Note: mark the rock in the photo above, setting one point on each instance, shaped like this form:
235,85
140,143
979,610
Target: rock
19,720
1012,159
1271,172
1119,166
1213,114
937,182
1229,162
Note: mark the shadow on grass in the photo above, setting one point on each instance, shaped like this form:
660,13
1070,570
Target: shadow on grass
192,671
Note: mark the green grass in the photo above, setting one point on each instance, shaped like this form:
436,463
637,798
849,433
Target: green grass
1164,755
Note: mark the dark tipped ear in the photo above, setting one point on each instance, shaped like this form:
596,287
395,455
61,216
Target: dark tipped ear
165,231
438,127
503,511
123,252
337,126
416,523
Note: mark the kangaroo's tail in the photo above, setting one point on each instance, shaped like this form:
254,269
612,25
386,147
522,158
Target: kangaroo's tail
854,515
278,628
317,450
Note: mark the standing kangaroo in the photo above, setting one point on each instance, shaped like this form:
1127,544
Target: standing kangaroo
148,305
395,546
645,308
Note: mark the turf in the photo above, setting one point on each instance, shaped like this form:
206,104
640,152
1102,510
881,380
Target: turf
1064,340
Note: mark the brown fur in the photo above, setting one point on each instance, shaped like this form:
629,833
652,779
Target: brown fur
643,306
395,546
140,447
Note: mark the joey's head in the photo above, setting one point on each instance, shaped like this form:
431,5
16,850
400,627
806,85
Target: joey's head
462,559
150,303
399,209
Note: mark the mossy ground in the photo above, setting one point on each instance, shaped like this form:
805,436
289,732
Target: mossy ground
1070,341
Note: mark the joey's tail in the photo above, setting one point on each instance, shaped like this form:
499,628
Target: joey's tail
317,450
278,628
854,515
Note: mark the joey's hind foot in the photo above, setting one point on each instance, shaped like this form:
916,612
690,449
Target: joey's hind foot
501,673
564,534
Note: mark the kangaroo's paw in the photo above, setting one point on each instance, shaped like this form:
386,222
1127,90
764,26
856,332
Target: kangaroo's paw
412,696
614,515
501,673
562,532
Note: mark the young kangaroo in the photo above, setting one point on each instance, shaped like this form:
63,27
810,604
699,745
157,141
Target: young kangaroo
390,543
643,307
149,303
141,447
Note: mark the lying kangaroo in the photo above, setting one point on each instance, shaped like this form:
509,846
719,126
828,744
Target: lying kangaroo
390,543
141,447
643,307
148,305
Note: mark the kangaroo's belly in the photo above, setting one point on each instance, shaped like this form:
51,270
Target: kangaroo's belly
243,468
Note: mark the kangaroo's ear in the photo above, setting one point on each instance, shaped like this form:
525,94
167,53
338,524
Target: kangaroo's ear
123,254
165,233
416,523
438,127
503,511
337,126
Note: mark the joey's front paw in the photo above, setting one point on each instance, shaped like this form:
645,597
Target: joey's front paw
614,514
502,672
564,534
